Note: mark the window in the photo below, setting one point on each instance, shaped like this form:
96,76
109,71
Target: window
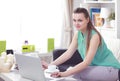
32,20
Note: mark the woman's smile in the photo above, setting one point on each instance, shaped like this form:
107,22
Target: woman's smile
78,26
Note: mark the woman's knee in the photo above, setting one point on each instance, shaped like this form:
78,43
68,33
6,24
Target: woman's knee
101,74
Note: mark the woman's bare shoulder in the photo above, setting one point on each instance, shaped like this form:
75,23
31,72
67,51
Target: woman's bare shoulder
76,34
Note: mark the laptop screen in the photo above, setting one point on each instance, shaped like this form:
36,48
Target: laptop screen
30,67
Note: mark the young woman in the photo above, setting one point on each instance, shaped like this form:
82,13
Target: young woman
99,63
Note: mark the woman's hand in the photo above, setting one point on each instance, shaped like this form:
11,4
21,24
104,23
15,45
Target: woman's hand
59,74
44,64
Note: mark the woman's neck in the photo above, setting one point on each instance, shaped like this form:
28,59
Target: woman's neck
84,31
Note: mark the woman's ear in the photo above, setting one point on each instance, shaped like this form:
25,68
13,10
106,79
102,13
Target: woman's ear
88,20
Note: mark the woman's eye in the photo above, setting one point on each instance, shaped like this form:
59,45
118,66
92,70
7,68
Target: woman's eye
80,20
74,20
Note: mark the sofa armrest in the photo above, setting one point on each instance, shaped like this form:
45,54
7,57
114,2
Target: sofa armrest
75,59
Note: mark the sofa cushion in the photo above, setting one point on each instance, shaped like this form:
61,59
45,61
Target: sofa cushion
114,45
118,56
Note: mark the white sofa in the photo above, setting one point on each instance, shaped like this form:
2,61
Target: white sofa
114,46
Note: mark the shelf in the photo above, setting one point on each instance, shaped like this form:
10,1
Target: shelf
94,7
86,1
103,28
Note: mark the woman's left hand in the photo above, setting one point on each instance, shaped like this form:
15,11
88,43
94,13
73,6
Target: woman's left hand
59,74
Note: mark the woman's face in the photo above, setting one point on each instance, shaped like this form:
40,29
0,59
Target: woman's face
80,22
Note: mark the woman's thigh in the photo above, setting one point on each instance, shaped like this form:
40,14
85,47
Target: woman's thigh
98,73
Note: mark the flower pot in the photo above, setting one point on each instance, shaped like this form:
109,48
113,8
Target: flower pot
112,23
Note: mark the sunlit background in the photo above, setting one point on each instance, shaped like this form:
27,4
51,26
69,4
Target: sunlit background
32,20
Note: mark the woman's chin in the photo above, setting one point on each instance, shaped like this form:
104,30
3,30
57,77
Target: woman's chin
78,28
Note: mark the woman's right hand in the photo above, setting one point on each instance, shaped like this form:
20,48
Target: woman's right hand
44,64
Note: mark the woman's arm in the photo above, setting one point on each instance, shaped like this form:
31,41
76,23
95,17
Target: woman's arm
68,54
94,43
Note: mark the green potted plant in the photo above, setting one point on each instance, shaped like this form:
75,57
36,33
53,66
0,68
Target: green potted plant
111,16
111,19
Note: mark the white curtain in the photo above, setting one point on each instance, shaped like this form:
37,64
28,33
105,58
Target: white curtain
67,30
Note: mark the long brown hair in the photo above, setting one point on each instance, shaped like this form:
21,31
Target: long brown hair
90,26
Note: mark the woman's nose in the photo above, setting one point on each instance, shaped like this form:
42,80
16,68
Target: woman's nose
76,23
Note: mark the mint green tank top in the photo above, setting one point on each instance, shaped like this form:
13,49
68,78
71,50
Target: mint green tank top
103,56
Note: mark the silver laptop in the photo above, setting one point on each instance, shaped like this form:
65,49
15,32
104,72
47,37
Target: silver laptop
30,67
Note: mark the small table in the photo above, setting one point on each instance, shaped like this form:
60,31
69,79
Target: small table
12,76
15,76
